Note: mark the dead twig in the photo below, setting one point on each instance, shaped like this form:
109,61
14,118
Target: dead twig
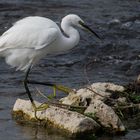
127,106
65,106
99,94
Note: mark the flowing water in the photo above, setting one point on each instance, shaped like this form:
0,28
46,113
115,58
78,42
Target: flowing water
115,59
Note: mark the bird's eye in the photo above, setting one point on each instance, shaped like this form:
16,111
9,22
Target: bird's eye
80,22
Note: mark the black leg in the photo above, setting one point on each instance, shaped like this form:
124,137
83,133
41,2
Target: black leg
58,87
43,106
40,83
26,87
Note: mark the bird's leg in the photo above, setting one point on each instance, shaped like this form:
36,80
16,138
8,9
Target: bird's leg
27,89
42,106
55,86
51,96
63,88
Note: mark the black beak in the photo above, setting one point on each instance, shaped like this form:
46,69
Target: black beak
89,29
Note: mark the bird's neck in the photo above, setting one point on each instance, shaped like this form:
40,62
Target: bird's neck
72,35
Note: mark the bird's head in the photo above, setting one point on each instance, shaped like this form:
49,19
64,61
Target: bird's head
75,20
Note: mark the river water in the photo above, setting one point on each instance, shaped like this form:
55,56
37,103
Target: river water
115,59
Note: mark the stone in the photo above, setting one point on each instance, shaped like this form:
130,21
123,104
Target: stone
73,122
84,96
122,101
105,115
114,22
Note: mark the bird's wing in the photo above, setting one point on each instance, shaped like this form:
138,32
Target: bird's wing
29,39
47,37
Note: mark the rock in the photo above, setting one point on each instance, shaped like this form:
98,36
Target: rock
73,122
114,22
91,97
138,80
127,25
84,96
72,99
96,108
107,86
105,116
122,101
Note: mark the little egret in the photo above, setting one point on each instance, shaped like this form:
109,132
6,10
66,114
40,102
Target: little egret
34,37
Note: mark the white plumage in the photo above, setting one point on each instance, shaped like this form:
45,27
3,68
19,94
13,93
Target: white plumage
31,38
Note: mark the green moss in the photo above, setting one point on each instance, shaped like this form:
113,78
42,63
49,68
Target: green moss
91,115
134,98
132,91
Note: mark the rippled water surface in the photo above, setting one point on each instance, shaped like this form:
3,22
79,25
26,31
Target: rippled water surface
115,59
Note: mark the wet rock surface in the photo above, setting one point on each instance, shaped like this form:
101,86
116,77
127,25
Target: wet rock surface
72,122
106,116
93,97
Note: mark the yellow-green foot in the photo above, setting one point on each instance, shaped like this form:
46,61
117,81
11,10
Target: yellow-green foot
41,107
63,88
51,96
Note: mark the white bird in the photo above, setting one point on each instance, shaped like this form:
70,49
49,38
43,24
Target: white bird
34,37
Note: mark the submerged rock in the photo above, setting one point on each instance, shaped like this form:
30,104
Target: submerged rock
114,22
127,25
73,122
